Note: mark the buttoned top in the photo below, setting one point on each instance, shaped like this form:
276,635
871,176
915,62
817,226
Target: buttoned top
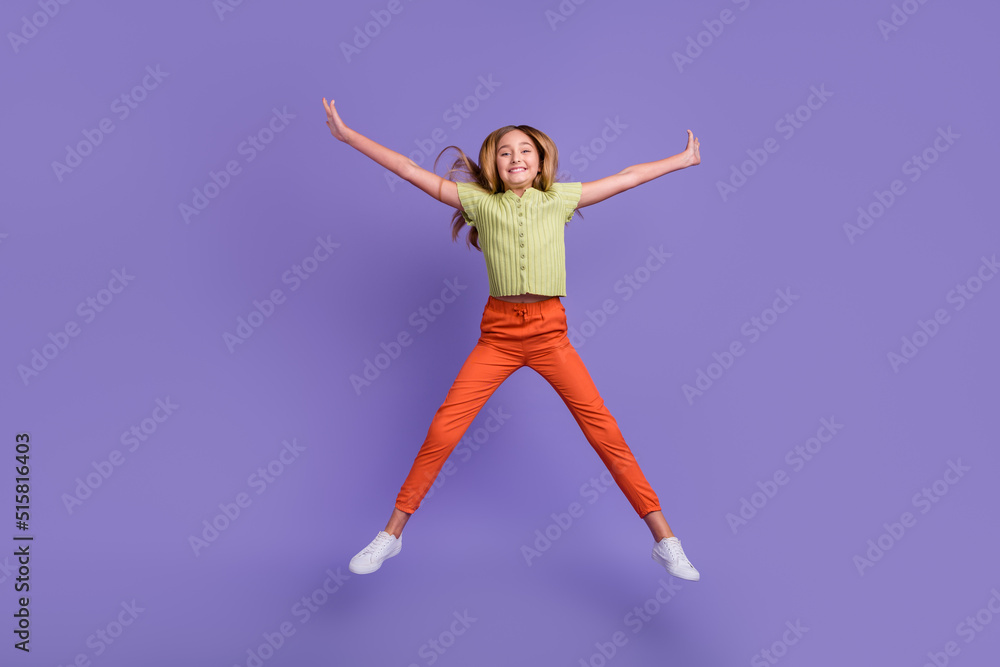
522,237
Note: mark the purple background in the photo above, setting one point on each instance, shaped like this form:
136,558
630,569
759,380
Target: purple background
606,65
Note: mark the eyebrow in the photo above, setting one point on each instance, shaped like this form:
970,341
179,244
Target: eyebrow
528,143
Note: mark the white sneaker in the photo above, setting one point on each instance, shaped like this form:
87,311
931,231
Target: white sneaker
669,554
369,559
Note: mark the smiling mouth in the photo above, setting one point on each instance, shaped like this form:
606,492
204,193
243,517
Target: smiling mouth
517,169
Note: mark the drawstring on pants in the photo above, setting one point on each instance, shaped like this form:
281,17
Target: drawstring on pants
522,310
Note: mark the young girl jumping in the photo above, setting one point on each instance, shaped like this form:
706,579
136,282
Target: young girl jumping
517,211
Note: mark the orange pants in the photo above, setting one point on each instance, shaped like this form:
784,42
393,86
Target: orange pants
516,335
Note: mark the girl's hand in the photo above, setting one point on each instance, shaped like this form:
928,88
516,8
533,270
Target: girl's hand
692,153
333,121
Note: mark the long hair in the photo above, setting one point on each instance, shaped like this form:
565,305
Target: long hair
485,174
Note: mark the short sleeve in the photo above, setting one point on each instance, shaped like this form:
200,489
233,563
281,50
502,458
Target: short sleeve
470,194
569,196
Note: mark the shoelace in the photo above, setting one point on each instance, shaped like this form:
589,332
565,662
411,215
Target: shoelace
378,544
676,554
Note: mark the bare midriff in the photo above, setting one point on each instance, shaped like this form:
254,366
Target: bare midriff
527,297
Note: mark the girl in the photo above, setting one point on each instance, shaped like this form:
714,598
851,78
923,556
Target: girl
514,206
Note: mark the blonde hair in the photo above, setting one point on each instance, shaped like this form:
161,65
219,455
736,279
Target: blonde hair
485,174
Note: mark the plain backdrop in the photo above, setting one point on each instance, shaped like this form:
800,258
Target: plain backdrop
193,269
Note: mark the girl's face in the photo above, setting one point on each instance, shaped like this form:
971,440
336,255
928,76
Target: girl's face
517,160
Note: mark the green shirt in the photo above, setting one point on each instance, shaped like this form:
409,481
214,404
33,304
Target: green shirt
522,237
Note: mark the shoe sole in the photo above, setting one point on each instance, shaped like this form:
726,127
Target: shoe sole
663,561
377,565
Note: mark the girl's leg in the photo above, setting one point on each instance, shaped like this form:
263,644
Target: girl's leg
558,362
564,370
657,525
562,367
497,354
483,371
396,522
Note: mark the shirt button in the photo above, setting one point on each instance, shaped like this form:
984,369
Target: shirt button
520,233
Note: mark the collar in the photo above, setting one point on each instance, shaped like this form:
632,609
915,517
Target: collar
510,193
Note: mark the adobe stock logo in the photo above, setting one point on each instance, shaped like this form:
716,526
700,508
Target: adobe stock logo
104,637
592,490
779,648
223,7
230,510
249,148
960,295
434,648
87,310
419,319
787,125
263,310
106,467
628,284
753,329
924,500
372,29
123,106
471,442
915,167
968,629
304,609
587,154
37,21
714,28
638,618
796,458
898,18
454,116
566,8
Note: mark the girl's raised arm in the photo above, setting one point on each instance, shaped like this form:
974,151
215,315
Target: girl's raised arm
628,178
441,189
